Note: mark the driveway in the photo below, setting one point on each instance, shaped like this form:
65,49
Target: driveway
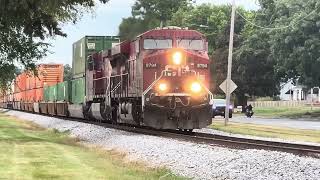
313,124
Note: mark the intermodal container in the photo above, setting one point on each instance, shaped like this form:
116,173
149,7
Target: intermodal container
17,96
50,93
30,95
39,94
64,91
30,87
49,74
30,81
86,46
78,90
20,83
46,93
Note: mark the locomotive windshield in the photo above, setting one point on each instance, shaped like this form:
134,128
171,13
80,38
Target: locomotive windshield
157,43
191,44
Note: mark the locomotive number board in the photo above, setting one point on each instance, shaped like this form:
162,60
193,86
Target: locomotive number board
150,65
202,66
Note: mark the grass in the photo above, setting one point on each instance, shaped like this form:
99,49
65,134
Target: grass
288,112
268,131
30,152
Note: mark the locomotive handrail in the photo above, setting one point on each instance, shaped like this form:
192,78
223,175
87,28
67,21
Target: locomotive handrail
116,87
100,78
105,77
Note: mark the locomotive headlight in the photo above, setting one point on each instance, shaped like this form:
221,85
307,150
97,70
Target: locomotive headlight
163,87
196,87
177,58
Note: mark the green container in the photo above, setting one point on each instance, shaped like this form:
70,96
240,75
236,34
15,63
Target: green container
50,93
46,93
78,90
64,91
86,46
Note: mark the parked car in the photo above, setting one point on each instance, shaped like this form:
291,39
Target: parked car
219,106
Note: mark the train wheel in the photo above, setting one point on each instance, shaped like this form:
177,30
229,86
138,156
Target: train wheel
136,113
114,115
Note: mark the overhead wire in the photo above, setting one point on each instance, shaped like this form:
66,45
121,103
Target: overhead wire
275,28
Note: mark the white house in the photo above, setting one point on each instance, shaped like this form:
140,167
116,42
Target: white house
291,92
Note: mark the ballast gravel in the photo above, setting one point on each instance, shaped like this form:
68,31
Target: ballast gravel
197,161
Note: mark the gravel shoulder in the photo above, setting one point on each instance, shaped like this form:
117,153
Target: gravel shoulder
197,161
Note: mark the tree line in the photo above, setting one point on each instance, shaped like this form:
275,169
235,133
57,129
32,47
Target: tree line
278,42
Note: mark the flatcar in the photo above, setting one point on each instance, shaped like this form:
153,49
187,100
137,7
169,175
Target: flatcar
160,79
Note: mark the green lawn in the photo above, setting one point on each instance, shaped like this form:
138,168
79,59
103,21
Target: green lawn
268,131
289,112
30,152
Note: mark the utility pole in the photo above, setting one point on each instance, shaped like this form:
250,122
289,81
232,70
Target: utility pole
311,99
233,12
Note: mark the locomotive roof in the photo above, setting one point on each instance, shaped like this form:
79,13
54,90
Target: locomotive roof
171,31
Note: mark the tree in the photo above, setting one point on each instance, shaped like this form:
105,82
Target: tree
295,49
253,69
67,73
131,27
149,14
214,22
284,44
161,10
26,24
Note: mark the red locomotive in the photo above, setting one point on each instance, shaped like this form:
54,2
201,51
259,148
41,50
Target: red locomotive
160,79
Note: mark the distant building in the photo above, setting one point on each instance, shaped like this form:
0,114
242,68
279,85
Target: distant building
296,92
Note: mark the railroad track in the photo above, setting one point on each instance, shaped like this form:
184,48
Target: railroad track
213,139
225,141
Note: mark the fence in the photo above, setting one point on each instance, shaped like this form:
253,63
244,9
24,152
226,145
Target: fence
277,103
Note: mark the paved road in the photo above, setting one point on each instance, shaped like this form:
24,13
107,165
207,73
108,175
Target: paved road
283,122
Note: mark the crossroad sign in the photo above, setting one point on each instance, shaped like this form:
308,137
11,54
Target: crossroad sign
223,86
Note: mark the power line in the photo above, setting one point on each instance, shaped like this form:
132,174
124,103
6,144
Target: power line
274,28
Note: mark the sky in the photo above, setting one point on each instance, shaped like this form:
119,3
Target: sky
105,21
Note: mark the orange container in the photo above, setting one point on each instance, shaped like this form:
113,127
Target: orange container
31,95
30,82
51,74
27,82
29,88
21,83
38,94
17,96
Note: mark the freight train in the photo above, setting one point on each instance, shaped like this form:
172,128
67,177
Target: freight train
160,79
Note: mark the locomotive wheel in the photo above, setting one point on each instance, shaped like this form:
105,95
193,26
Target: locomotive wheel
136,113
114,115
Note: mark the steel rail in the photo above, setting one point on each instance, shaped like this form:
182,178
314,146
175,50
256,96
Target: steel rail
221,140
